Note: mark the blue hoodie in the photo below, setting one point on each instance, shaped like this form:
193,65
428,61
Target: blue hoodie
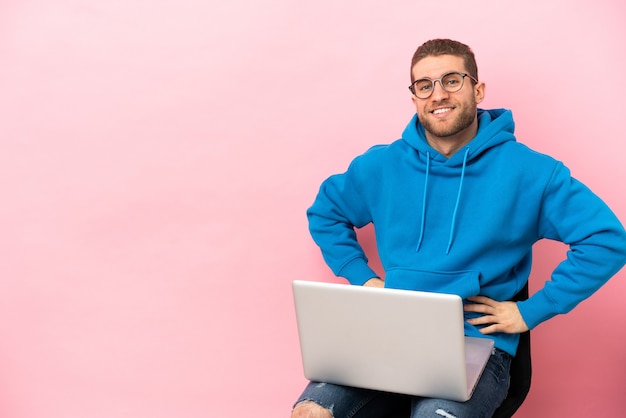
466,224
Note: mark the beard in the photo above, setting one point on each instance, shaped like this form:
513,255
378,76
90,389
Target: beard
462,121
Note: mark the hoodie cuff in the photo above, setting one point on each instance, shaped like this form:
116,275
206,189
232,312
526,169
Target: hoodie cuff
533,310
357,272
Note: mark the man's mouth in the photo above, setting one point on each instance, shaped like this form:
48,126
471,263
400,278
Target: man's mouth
441,110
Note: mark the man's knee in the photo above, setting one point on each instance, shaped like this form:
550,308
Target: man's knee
308,409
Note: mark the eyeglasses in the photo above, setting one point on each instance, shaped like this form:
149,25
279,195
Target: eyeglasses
450,82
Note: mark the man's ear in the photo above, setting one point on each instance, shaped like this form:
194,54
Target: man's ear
479,92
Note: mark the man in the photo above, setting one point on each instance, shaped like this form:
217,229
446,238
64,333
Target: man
457,205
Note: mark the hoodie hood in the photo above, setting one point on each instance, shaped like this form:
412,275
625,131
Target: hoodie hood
494,128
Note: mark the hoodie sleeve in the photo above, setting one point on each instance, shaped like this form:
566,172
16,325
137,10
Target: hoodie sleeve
574,215
338,208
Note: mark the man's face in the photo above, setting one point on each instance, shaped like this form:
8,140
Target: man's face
444,114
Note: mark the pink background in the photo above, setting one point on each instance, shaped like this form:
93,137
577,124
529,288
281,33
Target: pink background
158,158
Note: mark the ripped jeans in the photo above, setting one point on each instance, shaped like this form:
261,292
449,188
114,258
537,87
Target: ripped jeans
349,402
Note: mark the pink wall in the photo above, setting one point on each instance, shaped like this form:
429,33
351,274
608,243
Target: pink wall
158,157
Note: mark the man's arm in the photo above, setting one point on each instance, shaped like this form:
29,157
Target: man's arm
574,215
338,209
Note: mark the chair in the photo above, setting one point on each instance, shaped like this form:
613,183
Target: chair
521,373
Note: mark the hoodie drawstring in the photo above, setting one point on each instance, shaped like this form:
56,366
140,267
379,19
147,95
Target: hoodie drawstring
458,199
456,205
419,241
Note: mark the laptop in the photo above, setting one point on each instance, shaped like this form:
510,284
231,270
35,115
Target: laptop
391,340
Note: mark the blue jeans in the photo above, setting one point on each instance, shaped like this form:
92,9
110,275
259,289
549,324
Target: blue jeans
349,402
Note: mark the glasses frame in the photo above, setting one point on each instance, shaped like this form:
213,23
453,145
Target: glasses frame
440,80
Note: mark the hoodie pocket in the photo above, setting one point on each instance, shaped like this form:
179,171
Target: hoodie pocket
462,283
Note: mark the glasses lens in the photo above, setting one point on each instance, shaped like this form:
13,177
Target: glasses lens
452,82
423,87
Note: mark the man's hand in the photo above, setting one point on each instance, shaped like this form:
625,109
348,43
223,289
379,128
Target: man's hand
497,316
374,282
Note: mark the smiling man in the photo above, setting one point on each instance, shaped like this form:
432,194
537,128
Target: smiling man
457,204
